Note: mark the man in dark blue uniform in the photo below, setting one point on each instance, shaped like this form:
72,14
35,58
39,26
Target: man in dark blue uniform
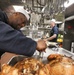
12,40
53,33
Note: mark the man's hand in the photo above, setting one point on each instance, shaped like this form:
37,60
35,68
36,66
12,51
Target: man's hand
45,40
41,45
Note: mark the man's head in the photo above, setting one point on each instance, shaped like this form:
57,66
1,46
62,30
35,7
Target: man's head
52,23
18,19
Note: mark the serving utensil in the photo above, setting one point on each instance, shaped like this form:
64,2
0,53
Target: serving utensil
40,56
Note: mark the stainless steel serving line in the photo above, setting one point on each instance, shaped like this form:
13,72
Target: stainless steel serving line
58,51
49,51
11,59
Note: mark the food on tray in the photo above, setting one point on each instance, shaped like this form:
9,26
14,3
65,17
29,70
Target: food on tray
9,70
59,58
60,65
28,66
57,65
62,69
44,70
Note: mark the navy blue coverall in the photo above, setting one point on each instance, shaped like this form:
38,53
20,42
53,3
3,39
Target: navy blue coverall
14,41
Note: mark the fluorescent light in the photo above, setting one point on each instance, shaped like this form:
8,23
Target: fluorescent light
17,7
23,1
67,4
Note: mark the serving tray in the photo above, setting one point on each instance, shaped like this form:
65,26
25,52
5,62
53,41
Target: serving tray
18,58
43,59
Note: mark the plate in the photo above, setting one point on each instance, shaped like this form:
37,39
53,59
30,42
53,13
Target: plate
51,43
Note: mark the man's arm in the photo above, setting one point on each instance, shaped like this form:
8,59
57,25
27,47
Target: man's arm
54,34
52,37
14,41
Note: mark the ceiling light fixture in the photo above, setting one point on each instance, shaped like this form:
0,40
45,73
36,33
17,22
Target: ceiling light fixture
23,1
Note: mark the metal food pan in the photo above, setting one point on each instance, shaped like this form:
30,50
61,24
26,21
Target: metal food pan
58,51
62,51
18,58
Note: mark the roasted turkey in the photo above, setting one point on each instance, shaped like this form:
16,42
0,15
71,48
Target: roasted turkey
28,66
44,70
60,65
8,70
57,65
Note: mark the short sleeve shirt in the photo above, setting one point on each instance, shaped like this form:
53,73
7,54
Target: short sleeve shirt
54,31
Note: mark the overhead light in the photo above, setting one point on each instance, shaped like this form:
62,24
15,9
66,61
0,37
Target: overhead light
43,9
67,4
23,1
16,7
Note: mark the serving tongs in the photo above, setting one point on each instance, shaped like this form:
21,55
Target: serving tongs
40,56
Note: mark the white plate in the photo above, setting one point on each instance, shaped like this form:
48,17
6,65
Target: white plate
51,43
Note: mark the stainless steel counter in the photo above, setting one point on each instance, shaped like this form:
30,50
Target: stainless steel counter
58,50
55,50
43,59
7,57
